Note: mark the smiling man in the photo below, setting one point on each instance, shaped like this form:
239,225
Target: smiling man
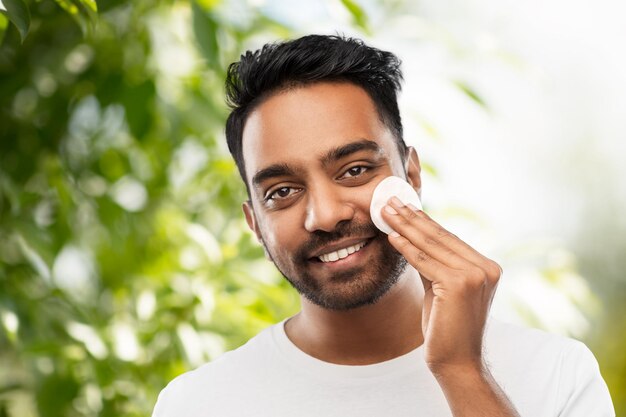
392,325
315,155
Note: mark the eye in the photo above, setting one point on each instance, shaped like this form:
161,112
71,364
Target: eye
355,171
280,193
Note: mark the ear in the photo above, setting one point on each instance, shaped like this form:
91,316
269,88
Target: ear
248,211
413,170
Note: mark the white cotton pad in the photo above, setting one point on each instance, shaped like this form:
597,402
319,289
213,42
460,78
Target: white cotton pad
387,188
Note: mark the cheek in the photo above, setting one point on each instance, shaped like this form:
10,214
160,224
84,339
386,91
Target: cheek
280,232
365,198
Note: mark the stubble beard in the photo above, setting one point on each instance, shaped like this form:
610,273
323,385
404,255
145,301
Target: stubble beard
357,287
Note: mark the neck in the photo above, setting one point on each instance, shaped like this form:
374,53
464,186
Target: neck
365,335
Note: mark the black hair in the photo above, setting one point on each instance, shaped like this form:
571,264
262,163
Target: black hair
306,60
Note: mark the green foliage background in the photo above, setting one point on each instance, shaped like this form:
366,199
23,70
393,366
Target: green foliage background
121,264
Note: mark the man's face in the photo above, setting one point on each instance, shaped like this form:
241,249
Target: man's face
313,156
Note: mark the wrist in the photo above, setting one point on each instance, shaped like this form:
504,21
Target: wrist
471,390
458,372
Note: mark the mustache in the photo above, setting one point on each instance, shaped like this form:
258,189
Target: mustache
320,238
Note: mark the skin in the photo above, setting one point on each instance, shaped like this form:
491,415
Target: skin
366,311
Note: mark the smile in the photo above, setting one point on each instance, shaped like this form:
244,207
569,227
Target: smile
341,253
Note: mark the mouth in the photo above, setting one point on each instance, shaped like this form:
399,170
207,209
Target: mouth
342,255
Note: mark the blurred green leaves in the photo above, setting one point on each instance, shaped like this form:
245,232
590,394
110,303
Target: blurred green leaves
358,15
122,263
470,93
19,15
124,260
205,28
84,12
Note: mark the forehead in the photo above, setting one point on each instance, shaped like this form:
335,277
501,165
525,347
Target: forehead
299,125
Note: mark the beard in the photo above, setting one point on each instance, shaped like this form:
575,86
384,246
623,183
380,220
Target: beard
350,289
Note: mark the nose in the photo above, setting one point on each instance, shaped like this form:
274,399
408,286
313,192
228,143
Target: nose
326,207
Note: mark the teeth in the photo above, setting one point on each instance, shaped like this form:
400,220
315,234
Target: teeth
341,253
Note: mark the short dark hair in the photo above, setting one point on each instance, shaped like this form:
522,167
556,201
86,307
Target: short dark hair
307,60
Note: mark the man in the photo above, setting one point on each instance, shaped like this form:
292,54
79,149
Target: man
390,325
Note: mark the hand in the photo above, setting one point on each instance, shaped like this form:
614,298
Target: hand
459,286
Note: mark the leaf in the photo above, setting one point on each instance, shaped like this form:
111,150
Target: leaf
265,23
429,169
4,23
84,12
205,28
91,5
208,4
19,15
55,393
89,9
358,14
471,93
138,101
428,127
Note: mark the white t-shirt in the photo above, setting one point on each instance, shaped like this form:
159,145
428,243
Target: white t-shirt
542,374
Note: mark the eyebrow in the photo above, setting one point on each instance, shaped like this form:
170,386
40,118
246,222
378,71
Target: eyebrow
333,155
273,171
341,152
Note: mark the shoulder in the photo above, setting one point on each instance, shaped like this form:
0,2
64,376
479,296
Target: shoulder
560,370
209,385
512,340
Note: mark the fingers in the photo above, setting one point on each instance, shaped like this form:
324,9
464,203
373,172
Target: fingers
432,241
423,262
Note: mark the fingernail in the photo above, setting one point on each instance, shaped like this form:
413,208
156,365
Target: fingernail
412,207
396,202
390,210
394,234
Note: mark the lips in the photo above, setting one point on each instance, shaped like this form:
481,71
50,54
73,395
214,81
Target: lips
341,253
340,250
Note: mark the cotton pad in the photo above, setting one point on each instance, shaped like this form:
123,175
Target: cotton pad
387,188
